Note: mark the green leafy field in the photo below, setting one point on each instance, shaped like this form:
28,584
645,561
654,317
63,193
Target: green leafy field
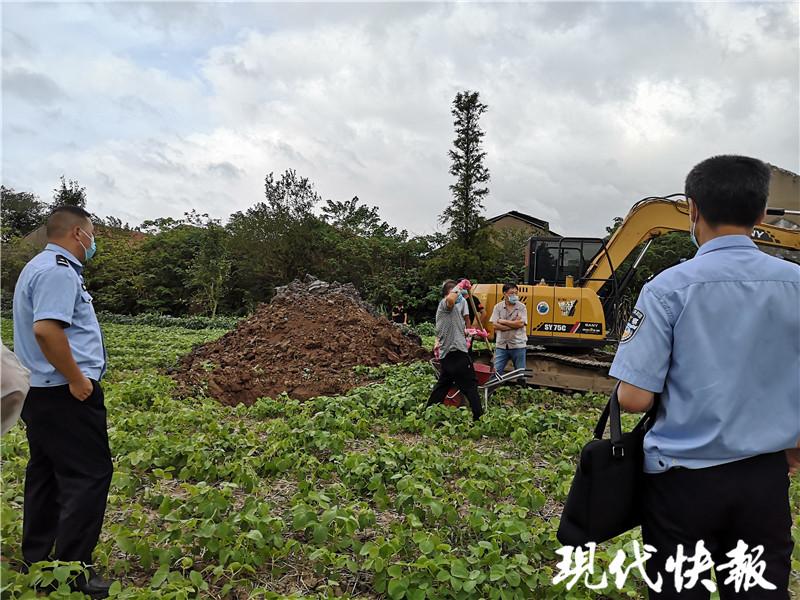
367,495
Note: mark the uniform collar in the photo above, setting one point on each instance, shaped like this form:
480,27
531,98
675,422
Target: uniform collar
78,265
726,241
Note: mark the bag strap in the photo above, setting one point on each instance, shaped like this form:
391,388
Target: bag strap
616,420
612,412
600,428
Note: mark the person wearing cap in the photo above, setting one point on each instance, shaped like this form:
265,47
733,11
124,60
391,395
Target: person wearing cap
717,338
456,364
57,338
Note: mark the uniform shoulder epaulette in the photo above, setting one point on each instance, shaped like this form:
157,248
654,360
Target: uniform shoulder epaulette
62,260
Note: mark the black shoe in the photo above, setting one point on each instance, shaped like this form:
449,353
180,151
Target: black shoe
95,587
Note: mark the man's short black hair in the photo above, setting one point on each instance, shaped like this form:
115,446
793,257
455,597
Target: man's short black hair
509,286
64,218
729,189
447,287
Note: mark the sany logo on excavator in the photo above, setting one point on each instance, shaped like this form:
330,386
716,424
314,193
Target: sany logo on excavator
761,235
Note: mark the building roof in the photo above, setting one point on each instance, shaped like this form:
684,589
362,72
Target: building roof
784,171
522,217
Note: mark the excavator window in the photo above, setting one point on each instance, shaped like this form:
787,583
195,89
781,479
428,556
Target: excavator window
553,259
571,262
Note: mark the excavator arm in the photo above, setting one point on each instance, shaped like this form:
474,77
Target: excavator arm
653,217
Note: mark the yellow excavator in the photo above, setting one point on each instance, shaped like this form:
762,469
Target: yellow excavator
574,291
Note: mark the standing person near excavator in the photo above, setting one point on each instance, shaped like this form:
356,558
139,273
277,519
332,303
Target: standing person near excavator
509,318
718,339
456,364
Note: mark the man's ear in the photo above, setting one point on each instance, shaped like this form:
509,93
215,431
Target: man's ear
692,209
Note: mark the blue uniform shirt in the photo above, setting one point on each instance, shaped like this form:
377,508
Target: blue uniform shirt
719,337
51,287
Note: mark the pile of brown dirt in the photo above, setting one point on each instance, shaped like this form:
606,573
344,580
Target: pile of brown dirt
305,343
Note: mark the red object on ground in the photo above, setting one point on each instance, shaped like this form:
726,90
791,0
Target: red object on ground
482,372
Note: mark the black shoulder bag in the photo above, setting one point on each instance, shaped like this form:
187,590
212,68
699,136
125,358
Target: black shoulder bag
605,498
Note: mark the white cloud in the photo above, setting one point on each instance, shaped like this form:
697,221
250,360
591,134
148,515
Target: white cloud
173,107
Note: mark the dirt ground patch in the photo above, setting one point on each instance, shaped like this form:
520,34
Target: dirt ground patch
304,343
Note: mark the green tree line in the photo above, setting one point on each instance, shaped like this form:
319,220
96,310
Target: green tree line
197,265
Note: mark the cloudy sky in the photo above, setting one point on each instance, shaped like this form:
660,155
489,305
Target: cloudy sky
158,108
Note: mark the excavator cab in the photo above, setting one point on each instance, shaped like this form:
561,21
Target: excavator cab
552,260
562,312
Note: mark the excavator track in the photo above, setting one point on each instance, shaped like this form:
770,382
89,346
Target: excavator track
586,372
571,372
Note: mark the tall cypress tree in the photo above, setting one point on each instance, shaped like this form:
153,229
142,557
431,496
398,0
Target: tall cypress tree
464,214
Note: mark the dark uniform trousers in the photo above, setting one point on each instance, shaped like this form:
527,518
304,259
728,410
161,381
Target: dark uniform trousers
457,371
745,500
68,474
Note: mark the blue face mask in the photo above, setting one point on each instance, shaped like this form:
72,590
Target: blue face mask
513,298
459,299
92,249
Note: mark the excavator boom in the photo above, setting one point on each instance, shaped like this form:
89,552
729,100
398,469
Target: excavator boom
653,217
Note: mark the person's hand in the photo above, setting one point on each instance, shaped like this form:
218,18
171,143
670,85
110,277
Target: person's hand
81,389
481,333
793,458
464,284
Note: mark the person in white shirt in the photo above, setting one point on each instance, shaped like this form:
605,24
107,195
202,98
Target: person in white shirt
509,318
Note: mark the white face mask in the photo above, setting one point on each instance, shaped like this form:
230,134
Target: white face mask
693,225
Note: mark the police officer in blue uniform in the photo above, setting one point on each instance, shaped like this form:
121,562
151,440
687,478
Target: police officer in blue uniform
718,338
57,337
